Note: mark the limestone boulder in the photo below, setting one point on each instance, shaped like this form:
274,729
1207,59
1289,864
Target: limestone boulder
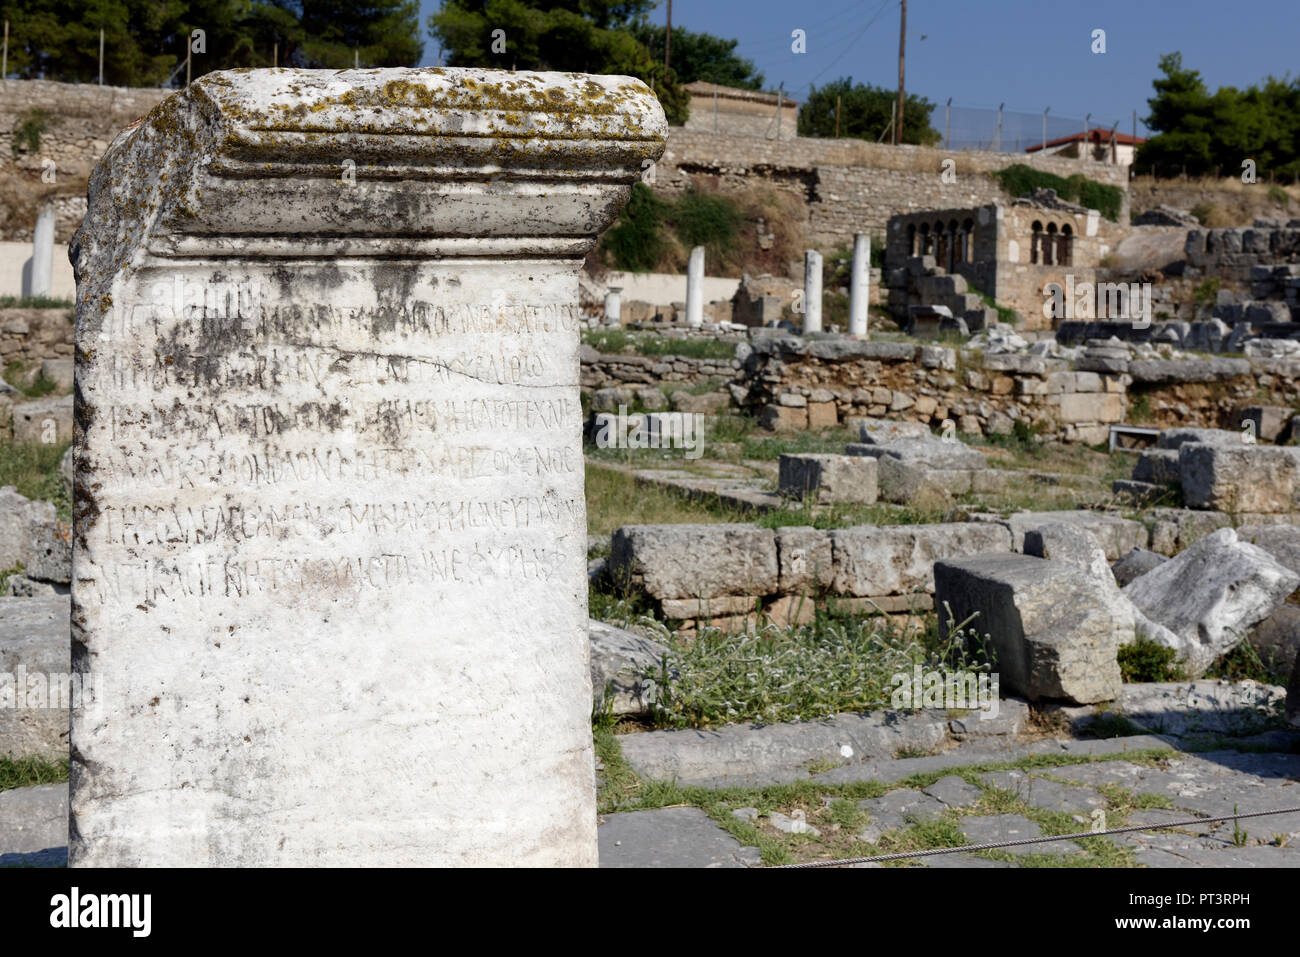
1056,631
1203,601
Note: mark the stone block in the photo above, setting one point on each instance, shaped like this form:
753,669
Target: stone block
880,431
780,418
1157,466
35,640
898,559
928,451
1056,632
1114,533
1269,422
829,479
1175,438
695,561
18,517
49,552
47,421
1134,563
1240,478
60,372
805,559
822,415
1103,407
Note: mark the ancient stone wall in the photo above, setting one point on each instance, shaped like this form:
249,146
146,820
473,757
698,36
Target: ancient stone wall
29,336
850,185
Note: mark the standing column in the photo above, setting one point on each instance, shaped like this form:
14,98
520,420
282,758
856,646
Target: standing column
695,287
812,291
329,568
43,252
859,284
614,305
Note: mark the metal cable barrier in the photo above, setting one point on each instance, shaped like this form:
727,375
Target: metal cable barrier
991,845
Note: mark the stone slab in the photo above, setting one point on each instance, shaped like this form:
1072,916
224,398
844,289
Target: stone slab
669,837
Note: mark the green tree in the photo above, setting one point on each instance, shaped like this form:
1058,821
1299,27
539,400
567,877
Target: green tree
1207,133
146,40
701,56
583,36
1182,116
865,112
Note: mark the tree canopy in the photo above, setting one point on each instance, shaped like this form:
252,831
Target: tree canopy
585,36
701,56
1207,133
146,40
865,112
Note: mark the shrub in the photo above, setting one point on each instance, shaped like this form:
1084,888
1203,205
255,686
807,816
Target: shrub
635,243
1020,180
1207,292
27,134
706,219
1147,660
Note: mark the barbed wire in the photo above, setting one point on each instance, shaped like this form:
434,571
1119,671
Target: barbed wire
993,845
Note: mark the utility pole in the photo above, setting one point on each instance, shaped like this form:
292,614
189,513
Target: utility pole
998,147
275,54
356,58
188,48
902,45
837,116
947,115
1114,146
1044,147
1087,147
668,35
1135,128
4,57
101,56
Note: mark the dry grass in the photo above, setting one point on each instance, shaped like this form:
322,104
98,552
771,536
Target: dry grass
1225,201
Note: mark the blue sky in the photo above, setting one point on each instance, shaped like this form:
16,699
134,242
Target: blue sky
1028,54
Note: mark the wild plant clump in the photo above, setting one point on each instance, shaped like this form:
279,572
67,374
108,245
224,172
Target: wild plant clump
784,673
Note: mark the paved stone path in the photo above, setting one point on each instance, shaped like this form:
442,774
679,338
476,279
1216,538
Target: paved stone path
1109,790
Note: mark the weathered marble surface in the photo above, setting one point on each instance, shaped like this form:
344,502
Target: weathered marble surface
330,535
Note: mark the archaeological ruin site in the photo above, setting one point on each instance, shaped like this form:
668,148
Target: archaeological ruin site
468,458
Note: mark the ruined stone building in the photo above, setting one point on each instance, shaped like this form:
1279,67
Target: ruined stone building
1009,251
